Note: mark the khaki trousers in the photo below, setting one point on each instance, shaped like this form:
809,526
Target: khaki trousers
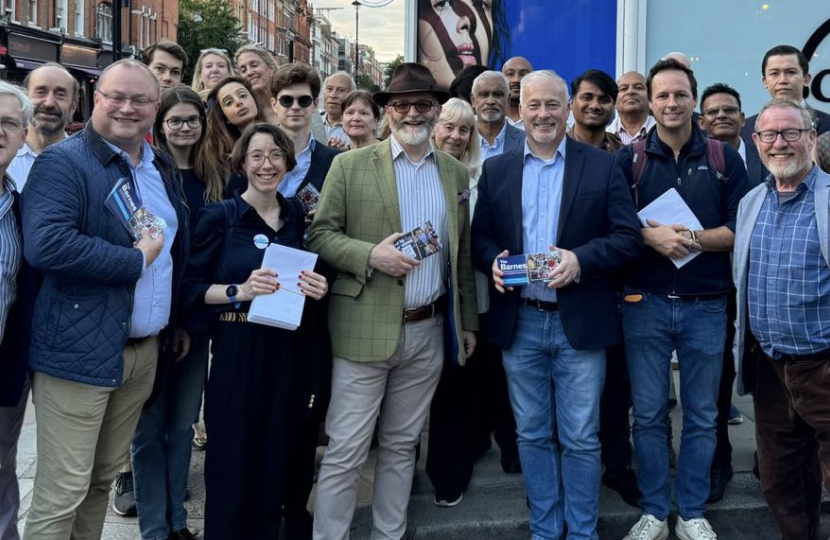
401,389
83,437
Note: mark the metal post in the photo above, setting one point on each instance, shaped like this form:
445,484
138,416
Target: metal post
356,5
117,6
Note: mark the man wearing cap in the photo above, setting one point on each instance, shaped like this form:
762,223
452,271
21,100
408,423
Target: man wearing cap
388,311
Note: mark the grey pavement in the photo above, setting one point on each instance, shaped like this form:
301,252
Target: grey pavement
493,506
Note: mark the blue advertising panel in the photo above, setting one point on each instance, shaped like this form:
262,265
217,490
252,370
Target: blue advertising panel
568,36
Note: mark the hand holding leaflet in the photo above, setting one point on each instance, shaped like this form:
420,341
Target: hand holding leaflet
671,208
284,308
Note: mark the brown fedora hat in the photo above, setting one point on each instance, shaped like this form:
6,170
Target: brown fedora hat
408,78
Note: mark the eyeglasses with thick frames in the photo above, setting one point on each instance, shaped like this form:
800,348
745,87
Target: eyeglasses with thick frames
789,135
10,125
136,101
402,107
288,101
258,158
175,123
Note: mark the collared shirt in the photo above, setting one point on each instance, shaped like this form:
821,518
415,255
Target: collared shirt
289,185
610,142
497,148
742,150
789,280
10,253
20,166
516,123
154,289
421,199
335,130
541,201
617,128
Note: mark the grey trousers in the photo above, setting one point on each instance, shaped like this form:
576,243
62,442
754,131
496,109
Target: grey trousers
400,389
83,437
11,423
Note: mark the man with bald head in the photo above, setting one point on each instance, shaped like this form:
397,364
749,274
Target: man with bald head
105,309
515,70
633,120
54,94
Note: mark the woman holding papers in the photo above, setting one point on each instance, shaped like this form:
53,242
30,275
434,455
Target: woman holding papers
252,401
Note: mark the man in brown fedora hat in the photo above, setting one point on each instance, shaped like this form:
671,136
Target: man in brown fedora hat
389,312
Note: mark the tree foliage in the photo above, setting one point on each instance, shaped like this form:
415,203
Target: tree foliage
207,24
390,69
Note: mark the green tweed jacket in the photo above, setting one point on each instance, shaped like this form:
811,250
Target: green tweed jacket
358,209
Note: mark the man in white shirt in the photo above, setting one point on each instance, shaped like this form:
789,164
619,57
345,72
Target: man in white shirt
633,120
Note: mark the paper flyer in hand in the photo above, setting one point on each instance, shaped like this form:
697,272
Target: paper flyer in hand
284,308
522,269
420,243
670,209
125,203
309,197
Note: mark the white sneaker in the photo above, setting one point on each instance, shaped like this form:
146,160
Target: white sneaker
648,528
694,529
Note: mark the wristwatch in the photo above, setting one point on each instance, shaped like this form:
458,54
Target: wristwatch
231,293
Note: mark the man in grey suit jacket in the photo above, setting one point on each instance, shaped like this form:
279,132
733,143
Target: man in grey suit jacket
490,99
782,345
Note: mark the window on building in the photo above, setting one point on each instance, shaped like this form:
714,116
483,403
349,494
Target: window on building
61,14
33,12
103,22
7,9
79,17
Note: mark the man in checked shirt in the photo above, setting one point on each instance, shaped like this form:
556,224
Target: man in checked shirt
782,345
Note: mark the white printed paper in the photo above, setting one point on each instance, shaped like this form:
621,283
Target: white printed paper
670,209
284,308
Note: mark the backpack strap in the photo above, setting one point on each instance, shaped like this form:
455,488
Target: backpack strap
714,153
638,162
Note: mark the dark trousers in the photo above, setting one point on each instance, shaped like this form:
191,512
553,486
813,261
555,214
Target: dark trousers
792,415
470,403
614,427
246,413
300,478
723,450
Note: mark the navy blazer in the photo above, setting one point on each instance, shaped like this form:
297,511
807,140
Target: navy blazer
755,170
597,221
822,125
513,138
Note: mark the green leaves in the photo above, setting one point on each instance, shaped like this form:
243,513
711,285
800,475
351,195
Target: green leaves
206,24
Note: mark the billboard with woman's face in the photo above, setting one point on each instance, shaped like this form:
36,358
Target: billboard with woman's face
568,36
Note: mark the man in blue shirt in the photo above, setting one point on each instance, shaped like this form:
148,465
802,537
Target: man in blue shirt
782,347
103,316
489,99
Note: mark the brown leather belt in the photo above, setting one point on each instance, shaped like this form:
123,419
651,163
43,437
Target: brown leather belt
541,305
425,312
135,341
233,316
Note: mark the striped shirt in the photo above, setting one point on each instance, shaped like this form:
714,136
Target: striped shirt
617,128
421,199
789,280
10,252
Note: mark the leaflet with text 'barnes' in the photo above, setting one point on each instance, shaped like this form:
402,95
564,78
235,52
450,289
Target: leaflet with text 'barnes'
420,243
125,203
309,197
522,269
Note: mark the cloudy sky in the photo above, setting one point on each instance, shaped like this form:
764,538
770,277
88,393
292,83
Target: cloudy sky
381,28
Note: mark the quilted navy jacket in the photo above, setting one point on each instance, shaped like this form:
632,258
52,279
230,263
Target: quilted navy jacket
82,312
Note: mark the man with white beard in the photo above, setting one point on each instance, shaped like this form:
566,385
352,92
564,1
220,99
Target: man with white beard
489,99
388,310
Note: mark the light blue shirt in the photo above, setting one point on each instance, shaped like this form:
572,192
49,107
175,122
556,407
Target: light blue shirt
20,166
10,252
291,183
541,202
488,151
154,290
335,130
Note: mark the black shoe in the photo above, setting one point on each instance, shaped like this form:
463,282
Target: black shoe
184,534
719,477
123,503
625,483
511,464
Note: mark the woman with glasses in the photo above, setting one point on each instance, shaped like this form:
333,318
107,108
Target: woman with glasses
231,107
360,119
251,401
452,437
161,446
212,66
258,66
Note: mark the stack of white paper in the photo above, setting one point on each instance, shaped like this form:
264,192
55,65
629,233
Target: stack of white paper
284,308
670,209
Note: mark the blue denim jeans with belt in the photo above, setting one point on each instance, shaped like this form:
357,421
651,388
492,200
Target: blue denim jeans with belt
654,326
555,393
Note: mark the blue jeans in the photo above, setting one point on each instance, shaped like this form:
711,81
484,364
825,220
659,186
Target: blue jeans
696,329
555,390
161,445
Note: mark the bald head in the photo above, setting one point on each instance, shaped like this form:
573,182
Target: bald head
515,70
680,57
54,94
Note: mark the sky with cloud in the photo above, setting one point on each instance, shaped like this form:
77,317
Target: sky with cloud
380,28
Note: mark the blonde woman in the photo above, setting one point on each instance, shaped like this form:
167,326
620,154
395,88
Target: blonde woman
257,66
212,66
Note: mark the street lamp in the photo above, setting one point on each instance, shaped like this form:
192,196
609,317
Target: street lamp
357,4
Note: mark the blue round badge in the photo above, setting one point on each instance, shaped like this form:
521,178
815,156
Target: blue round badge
261,241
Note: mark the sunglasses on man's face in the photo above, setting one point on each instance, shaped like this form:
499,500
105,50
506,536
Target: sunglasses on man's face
302,101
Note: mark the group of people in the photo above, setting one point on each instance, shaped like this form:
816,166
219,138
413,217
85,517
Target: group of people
112,327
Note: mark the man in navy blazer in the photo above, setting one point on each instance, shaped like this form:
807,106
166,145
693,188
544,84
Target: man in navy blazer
555,194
